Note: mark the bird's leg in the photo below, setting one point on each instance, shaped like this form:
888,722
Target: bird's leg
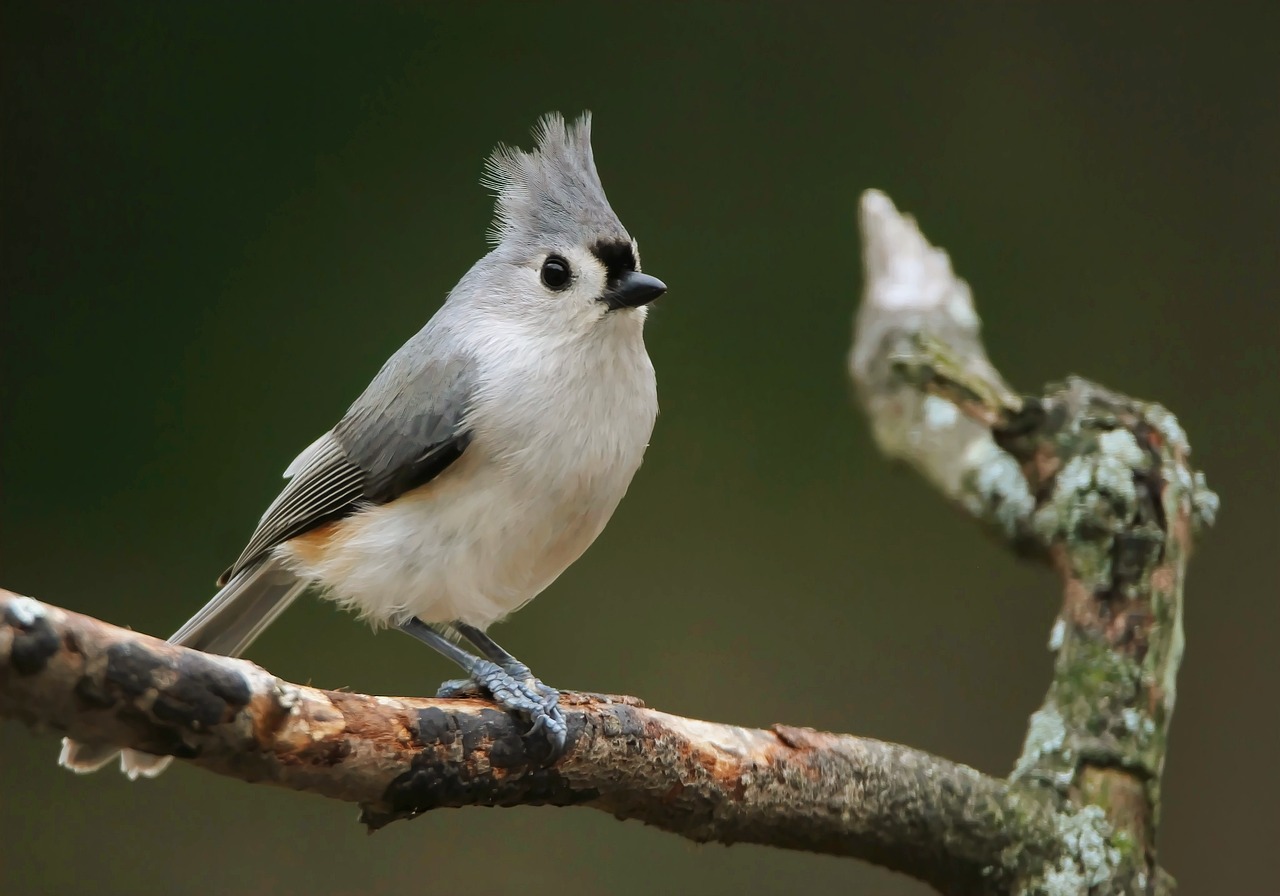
508,681
513,667
552,718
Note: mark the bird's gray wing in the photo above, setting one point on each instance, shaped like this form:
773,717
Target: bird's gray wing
407,428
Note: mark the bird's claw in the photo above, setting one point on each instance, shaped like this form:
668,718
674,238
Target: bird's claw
517,691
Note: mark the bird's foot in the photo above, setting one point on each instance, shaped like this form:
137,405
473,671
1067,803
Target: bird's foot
513,687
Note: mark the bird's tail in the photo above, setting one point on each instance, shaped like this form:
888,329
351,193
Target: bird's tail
226,625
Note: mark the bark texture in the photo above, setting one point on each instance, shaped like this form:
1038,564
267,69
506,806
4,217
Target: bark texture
1095,483
399,757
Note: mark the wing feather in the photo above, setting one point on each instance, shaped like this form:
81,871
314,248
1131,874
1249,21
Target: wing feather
405,430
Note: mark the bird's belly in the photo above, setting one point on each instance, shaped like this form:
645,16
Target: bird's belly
445,552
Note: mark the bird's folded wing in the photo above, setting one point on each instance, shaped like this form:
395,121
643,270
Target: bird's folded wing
407,428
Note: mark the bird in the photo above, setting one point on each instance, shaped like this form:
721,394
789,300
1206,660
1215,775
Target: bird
482,460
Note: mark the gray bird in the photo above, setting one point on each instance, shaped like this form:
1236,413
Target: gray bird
483,459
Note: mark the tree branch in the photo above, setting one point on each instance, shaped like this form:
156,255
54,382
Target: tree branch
1090,481
1095,483
398,757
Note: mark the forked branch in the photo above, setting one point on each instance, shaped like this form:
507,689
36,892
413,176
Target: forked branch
1093,482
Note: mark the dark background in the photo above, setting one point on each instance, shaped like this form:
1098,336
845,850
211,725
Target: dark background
219,219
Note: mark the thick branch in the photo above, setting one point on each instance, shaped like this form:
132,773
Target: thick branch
397,757
1094,482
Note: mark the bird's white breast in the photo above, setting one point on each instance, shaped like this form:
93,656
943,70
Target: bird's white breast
557,436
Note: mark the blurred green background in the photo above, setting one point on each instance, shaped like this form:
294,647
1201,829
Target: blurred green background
219,219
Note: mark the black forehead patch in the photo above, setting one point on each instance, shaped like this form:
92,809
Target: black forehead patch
617,256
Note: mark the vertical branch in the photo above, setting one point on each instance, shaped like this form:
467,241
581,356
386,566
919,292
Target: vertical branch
1120,503
1097,484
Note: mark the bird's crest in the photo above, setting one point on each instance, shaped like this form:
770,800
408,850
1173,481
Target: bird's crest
553,190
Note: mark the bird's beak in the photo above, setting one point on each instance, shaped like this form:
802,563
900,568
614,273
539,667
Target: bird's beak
634,289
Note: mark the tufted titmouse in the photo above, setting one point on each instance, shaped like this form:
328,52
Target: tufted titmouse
485,456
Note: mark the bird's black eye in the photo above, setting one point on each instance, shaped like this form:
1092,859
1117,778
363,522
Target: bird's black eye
555,273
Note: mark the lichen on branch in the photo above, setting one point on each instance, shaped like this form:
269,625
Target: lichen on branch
1095,483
